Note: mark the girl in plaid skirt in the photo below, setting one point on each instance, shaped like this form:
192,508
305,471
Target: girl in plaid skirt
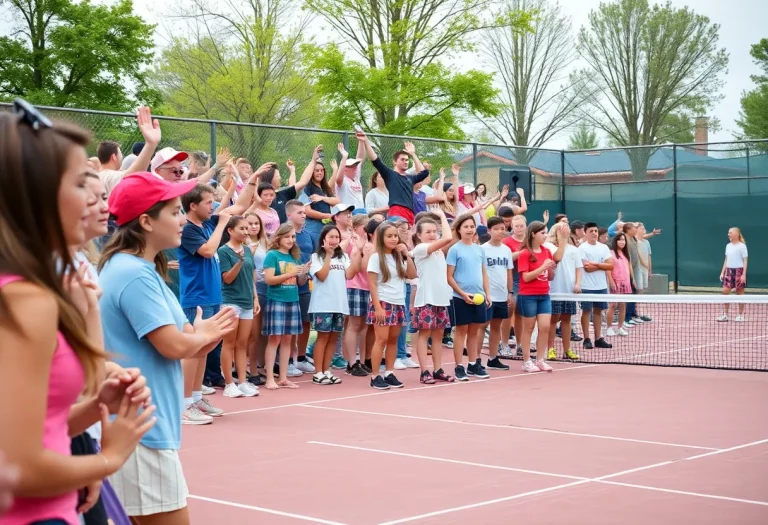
283,273
388,267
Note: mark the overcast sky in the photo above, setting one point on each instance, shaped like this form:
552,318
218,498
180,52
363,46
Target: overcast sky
742,23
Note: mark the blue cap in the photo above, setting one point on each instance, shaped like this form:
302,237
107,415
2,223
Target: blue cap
359,211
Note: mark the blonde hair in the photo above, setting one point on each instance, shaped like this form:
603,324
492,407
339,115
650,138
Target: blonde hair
359,220
283,231
741,237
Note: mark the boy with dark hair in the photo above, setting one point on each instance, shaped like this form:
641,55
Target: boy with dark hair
597,261
499,265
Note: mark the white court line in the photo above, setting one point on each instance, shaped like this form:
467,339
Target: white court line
698,347
403,390
685,493
723,451
512,427
445,460
267,511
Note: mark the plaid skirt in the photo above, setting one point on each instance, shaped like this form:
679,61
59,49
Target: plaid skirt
395,314
358,301
430,317
282,318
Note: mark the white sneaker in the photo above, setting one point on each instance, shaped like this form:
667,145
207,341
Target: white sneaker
231,390
400,364
530,366
623,332
722,318
610,332
627,326
739,318
293,371
193,416
207,408
306,367
208,390
543,366
410,363
248,389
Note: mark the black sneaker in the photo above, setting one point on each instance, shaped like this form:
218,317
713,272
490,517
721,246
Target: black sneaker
393,382
575,337
378,383
357,370
366,367
439,375
645,318
519,352
258,380
461,374
477,371
479,362
601,343
588,344
447,341
426,378
496,364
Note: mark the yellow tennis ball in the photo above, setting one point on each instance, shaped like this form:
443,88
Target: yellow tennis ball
478,298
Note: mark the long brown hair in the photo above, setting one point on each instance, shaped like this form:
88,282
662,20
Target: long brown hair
131,238
533,228
32,241
262,235
282,231
381,250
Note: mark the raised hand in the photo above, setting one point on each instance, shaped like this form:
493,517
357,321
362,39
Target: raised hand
149,128
442,173
545,216
455,169
409,148
342,149
334,164
290,165
520,192
504,191
361,137
317,152
223,156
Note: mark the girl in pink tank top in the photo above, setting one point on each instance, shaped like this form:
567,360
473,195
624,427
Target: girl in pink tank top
620,282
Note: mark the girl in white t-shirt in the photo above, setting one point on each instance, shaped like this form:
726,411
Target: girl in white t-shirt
567,281
433,295
734,272
330,268
388,267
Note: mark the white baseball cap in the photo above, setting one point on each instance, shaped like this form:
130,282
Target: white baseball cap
340,207
167,155
352,162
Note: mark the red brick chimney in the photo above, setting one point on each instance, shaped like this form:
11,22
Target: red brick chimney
701,134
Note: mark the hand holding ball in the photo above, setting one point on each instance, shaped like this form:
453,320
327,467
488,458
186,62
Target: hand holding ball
478,299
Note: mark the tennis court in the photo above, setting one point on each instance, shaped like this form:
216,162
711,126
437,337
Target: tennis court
588,443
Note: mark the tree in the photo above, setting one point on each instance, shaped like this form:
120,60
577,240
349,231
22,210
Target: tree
536,102
66,53
677,128
645,64
395,81
754,103
239,61
583,137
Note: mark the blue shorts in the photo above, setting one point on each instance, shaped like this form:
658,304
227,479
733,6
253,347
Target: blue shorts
327,322
468,313
498,310
533,305
586,306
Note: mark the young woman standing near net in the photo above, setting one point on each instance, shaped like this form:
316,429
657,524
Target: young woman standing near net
567,281
620,281
734,272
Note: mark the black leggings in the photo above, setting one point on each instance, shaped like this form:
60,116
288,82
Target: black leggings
83,446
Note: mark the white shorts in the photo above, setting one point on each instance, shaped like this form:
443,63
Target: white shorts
151,482
641,279
240,312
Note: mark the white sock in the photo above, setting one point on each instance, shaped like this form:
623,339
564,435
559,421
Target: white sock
327,373
197,395
188,401
387,373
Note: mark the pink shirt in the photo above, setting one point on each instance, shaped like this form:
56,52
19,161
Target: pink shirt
620,272
360,280
270,218
65,383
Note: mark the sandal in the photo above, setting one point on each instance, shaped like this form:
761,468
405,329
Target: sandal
439,375
322,380
333,379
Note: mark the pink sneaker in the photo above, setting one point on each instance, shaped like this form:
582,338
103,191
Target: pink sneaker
529,366
543,366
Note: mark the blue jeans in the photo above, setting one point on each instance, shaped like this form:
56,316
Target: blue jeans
402,338
213,359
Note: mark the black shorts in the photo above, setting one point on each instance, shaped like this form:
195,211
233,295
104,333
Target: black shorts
468,313
498,310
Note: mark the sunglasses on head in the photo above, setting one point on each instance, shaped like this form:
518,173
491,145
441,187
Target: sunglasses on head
29,115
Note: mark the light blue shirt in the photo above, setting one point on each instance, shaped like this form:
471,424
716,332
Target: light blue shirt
136,301
467,259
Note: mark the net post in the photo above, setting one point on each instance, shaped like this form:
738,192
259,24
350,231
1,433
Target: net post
749,189
345,140
213,143
474,164
674,207
562,179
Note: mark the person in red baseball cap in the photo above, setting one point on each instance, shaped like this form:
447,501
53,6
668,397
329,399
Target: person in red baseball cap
145,326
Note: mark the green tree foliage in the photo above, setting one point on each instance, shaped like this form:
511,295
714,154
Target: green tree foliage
646,63
394,81
239,61
754,103
583,137
77,54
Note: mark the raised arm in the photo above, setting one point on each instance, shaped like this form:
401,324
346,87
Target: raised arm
150,130
410,149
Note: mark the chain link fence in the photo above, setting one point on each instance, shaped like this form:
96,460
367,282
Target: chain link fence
692,192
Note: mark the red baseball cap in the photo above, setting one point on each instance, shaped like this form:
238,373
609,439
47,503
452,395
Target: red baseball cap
138,192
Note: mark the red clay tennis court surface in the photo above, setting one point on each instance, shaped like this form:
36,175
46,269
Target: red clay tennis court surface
614,444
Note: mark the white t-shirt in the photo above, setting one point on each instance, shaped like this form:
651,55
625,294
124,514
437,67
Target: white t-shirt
735,254
111,178
351,190
565,273
427,190
329,296
597,253
392,291
376,199
432,288
498,260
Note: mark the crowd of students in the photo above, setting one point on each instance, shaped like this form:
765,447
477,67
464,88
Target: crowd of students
133,294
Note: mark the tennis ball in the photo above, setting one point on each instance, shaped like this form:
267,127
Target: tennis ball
478,298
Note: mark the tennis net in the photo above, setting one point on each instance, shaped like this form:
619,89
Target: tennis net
673,330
